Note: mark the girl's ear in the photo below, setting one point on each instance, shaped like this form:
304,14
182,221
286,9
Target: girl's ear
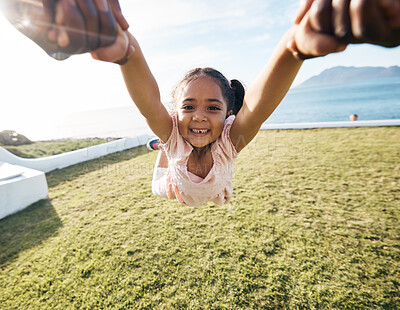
230,112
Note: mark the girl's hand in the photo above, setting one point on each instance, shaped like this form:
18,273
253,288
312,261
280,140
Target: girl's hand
117,12
119,52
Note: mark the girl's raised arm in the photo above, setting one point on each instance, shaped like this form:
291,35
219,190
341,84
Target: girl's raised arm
272,84
144,92
265,93
139,81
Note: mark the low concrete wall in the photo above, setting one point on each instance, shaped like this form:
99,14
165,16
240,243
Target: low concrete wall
21,188
23,182
60,161
380,123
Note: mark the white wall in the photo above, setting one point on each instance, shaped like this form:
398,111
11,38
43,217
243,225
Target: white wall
21,189
23,181
60,161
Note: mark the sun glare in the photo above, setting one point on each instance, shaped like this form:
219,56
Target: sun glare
25,22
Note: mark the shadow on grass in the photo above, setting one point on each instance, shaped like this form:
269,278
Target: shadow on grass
70,173
27,229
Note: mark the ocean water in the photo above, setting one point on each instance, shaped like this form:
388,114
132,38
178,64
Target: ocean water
372,100
117,122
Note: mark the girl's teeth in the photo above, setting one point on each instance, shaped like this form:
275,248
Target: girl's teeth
199,130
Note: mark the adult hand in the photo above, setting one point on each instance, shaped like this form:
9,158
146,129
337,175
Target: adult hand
66,27
355,21
373,21
100,18
307,41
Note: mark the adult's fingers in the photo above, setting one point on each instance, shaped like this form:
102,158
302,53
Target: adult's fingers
60,30
321,16
91,18
39,22
74,25
108,25
49,6
341,20
117,12
305,5
368,23
312,43
49,10
391,10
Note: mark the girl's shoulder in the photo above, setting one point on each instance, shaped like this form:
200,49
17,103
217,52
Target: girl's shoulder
176,146
224,142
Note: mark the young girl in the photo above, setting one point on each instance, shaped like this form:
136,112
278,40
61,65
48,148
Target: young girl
196,161
212,120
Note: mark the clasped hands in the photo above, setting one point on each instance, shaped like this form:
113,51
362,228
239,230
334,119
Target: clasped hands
67,27
327,26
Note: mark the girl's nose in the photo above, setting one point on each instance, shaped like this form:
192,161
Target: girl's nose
199,116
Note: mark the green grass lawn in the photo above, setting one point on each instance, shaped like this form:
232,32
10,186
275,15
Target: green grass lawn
48,148
314,223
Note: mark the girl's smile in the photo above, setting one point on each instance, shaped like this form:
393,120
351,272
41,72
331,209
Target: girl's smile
201,112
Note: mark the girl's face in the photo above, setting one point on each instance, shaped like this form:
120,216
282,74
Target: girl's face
201,112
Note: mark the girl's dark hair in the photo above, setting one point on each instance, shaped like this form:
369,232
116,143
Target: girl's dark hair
232,91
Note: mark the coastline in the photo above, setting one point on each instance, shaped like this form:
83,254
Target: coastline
43,148
345,124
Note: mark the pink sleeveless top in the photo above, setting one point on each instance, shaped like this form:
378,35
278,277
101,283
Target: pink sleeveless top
191,189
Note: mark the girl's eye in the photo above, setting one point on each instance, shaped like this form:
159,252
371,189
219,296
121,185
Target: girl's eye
187,107
214,108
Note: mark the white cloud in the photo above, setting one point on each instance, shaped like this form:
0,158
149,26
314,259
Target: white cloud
261,38
177,17
154,14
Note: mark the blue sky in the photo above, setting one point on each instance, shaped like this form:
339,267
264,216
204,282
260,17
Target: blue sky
237,37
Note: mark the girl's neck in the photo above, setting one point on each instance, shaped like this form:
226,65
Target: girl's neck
198,152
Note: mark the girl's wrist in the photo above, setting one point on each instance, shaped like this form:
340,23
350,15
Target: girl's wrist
129,52
126,58
292,48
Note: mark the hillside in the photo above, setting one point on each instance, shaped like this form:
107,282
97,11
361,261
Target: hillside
10,137
338,75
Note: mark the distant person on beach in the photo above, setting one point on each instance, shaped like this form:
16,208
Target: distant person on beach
66,27
353,117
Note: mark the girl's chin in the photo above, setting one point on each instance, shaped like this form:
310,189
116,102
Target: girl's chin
199,143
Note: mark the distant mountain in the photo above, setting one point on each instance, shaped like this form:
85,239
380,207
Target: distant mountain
339,75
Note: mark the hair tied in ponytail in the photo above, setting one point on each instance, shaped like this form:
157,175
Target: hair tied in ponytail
239,91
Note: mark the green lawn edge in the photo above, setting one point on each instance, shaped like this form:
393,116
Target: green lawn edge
48,148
